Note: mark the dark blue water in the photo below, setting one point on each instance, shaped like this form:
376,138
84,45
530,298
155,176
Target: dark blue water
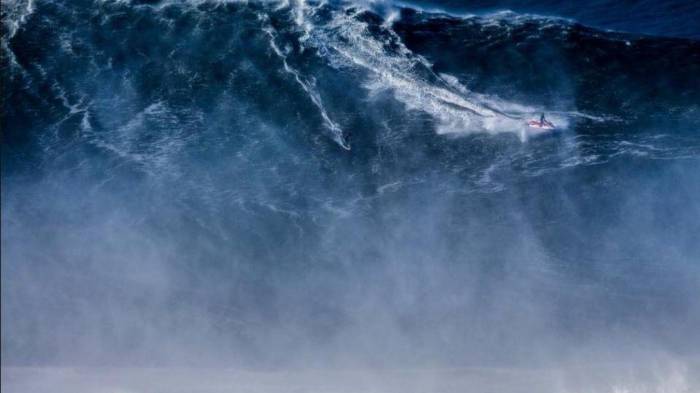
270,184
674,18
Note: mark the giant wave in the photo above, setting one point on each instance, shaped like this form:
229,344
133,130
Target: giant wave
310,183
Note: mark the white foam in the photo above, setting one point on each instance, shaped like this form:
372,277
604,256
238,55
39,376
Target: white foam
16,13
306,85
390,65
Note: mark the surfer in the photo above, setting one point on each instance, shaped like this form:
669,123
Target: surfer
542,124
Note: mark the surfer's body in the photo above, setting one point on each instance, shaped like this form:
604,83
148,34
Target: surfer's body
541,124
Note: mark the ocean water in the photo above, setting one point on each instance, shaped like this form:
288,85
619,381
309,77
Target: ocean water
347,185
671,18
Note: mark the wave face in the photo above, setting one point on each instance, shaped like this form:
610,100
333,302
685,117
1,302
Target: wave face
275,183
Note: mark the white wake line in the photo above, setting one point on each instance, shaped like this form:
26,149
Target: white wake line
312,93
442,103
599,118
398,80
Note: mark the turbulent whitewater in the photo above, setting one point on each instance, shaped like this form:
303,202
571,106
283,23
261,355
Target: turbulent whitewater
300,183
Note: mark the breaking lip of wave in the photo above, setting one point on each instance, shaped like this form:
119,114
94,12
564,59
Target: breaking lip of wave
506,15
